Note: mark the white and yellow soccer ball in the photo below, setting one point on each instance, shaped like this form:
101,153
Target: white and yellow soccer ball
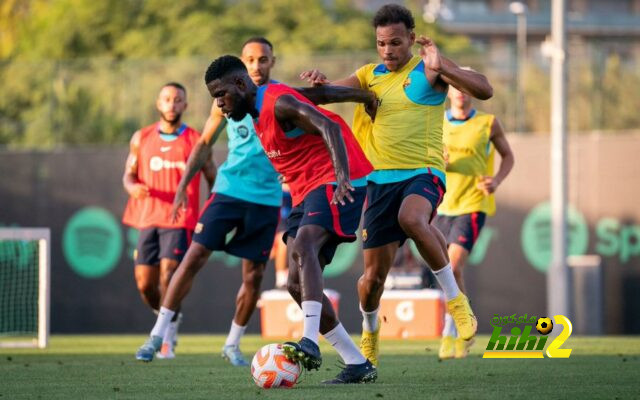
270,368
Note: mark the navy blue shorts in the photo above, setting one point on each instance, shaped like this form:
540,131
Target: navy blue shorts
253,225
157,243
461,229
340,220
381,224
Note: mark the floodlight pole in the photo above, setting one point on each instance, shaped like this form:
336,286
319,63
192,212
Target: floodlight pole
558,284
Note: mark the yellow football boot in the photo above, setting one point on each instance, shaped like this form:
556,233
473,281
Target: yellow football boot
465,321
369,344
462,347
447,348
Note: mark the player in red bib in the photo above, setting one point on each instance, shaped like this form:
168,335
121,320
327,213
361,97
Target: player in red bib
325,169
157,157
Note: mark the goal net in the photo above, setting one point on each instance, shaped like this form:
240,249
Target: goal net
24,287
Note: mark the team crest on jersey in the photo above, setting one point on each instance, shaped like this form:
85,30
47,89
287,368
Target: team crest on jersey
243,131
199,227
406,83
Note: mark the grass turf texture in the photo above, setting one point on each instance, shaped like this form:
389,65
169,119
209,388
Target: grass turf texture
104,367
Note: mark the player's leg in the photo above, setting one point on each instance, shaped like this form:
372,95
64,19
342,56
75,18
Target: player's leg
173,245
447,343
179,286
167,269
147,280
377,263
146,271
465,230
255,230
215,221
415,215
381,237
305,250
246,300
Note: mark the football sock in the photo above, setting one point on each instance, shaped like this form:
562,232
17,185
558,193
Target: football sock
449,326
447,282
170,333
164,319
235,333
281,278
340,340
312,311
369,319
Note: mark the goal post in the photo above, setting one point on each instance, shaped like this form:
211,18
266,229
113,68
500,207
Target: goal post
25,268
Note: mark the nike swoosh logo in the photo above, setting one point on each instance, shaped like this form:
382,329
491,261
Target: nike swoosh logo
311,214
165,149
309,316
373,84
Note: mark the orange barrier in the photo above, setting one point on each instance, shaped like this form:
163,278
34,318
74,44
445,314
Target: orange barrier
412,314
281,317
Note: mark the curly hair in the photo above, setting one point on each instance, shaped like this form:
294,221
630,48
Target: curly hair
393,14
223,66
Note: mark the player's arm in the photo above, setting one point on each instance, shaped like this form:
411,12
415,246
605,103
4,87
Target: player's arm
200,158
327,94
130,181
317,78
306,117
441,71
489,184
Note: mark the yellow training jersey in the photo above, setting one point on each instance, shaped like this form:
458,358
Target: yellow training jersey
407,132
471,156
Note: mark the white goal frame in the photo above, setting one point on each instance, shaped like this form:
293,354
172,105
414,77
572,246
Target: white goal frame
43,236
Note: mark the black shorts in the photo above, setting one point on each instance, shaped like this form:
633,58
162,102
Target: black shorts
157,243
461,229
381,224
254,227
340,220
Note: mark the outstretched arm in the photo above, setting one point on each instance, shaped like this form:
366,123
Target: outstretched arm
306,117
438,67
130,181
326,94
200,159
317,78
489,184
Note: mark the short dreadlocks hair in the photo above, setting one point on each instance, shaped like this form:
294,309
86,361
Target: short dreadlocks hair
223,66
393,14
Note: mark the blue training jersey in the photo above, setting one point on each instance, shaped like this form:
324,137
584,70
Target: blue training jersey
247,173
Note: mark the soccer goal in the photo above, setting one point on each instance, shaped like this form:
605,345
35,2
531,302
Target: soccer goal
25,259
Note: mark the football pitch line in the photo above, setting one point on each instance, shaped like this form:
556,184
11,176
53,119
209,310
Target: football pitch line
103,367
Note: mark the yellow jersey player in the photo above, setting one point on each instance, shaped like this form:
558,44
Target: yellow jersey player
404,144
471,138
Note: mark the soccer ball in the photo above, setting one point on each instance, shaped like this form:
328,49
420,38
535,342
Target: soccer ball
544,325
270,368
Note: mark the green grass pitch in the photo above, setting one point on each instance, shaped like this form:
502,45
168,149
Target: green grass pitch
103,367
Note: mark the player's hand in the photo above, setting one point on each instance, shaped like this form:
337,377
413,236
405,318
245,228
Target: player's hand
314,77
139,191
343,190
487,184
445,156
179,205
371,107
429,53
